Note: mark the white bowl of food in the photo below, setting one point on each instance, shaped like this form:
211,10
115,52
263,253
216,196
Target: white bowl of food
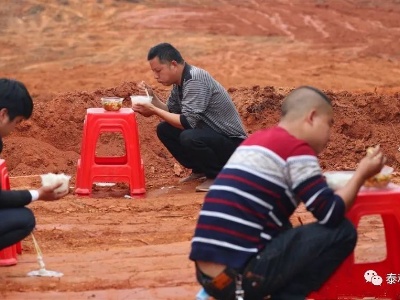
338,179
51,179
140,99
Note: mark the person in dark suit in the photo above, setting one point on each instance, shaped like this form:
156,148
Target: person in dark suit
16,220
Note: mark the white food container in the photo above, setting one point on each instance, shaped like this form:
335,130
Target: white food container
338,179
50,179
141,99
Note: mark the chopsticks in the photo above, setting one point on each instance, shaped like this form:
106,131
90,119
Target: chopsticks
39,252
147,92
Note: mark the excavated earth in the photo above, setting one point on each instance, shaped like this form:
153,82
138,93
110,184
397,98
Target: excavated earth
71,53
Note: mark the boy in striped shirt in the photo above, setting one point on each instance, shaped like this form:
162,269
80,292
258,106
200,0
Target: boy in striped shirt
243,226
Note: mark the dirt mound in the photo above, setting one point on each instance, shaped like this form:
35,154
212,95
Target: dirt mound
50,141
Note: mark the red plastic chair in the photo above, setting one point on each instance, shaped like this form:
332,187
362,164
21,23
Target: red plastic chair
8,256
127,168
350,280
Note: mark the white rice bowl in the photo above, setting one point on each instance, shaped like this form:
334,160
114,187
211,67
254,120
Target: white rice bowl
51,179
338,179
141,99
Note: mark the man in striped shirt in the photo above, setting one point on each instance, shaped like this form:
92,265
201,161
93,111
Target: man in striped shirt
244,228
201,126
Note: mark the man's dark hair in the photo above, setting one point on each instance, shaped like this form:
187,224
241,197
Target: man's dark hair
165,53
15,98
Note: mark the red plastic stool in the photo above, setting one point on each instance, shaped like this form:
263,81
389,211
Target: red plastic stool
348,281
8,256
127,168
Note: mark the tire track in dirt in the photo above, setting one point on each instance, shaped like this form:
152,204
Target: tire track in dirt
316,24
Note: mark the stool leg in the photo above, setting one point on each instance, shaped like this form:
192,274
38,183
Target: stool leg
137,180
82,182
19,247
83,185
7,257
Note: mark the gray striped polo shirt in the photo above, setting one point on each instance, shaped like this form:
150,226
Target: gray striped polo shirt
202,101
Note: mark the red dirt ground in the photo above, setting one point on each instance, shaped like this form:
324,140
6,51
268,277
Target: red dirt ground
70,53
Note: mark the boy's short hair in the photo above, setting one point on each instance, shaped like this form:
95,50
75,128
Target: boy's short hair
319,92
15,97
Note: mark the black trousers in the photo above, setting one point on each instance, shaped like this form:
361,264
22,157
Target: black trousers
15,225
293,264
202,150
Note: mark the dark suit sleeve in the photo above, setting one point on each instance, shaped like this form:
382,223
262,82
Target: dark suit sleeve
12,199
